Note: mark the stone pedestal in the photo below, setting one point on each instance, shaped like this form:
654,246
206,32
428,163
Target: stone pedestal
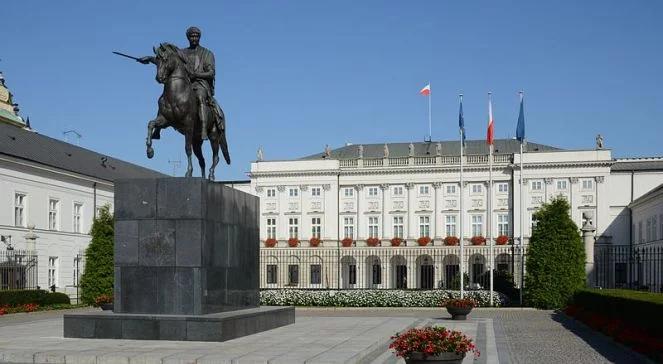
184,247
588,240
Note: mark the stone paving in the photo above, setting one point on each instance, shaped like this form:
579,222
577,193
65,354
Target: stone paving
324,335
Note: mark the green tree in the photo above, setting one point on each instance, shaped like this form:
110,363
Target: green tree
556,257
98,276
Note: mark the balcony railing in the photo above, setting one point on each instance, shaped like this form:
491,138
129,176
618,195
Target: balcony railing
476,159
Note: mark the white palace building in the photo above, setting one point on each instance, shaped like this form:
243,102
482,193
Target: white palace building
412,190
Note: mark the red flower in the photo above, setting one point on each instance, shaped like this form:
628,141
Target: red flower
424,240
103,298
372,241
270,243
396,241
460,303
502,240
314,241
451,240
293,242
478,240
347,242
431,341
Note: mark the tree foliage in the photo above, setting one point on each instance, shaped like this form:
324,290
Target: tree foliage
98,276
556,258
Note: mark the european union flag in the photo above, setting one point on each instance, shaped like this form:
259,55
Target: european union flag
520,129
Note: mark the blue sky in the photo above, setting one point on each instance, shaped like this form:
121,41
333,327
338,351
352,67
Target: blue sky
293,76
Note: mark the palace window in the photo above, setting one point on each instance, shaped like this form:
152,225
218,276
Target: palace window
587,184
502,187
271,273
372,226
424,226
451,189
316,273
398,227
477,225
78,217
271,228
315,191
53,214
536,186
293,192
561,185
349,227
450,225
372,191
377,273
293,227
352,274
476,189
503,224
398,191
271,192
348,192
316,227
52,271
19,209
424,190
640,238
293,274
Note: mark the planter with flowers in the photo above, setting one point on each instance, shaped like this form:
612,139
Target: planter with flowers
270,243
478,240
314,241
432,345
396,241
451,240
104,301
347,242
424,240
372,241
459,308
502,240
293,242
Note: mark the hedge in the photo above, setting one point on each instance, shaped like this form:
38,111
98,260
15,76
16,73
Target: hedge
372,298
40,297
642,309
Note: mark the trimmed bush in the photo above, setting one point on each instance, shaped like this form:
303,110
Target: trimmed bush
98,276
556,258
22,297
373,298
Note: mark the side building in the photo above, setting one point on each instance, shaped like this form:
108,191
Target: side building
385,214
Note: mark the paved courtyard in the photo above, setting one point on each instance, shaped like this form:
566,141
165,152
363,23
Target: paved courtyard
324,335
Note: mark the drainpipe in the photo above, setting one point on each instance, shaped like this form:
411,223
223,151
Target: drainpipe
94,200
338,230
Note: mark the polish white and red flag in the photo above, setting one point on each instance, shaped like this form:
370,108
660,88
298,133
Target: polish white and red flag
426,90
490,134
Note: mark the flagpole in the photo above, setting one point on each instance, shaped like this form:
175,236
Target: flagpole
430,118
490,200
462,192
522,216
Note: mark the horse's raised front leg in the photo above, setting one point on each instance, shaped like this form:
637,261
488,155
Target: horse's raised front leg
187,149
153,128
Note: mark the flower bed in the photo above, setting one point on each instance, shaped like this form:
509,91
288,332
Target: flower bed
502,240
373,298
630,317
451,241
431,341
372,241
314,242
478,240
293,242
347,242
270,243
396,241
423,241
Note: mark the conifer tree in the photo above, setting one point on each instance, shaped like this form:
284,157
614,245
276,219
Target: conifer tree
556,257
98,276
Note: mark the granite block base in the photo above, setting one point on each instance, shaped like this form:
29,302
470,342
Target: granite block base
211,327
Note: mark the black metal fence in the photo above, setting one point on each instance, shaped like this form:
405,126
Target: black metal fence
18,269
428,267
623,266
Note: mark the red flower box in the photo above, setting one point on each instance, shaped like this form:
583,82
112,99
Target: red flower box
270,243
314,241
451,240
502,240
347,242
372,241
478,240
293,242
423,241
396,241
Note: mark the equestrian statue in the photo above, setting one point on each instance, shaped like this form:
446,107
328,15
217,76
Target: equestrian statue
187,102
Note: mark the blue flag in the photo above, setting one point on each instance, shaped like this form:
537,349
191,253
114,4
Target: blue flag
520,129
461,122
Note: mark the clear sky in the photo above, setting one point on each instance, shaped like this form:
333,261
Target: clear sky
293,76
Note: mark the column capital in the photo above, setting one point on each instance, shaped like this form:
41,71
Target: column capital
384,186
409,185
437,185
259,189
573,180
599,179
326,187
281,188
548,180
359,187
303,187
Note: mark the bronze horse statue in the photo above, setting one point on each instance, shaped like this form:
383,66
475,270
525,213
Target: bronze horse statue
178,108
